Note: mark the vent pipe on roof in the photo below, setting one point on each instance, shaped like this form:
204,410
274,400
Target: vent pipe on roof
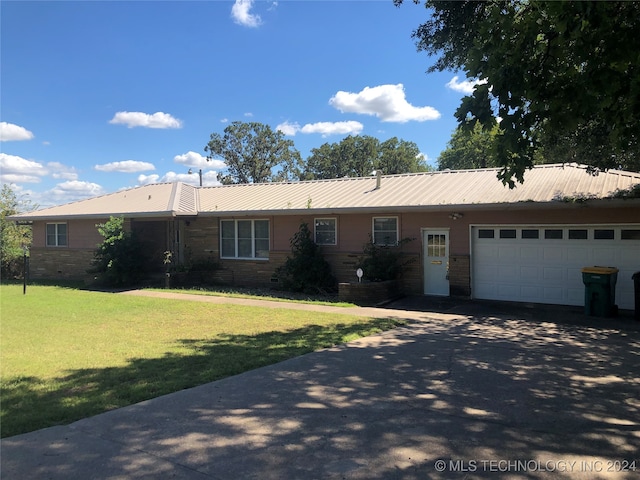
378,179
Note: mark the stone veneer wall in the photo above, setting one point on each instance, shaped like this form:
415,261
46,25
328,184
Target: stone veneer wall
60,263
460,275
201,239
72,264
369,293
343,265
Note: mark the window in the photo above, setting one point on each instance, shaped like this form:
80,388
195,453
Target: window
486,233
553,234
385,230
508,233
578,234
436,245
244,239
630,234
528,233
56,234
603,234
325,231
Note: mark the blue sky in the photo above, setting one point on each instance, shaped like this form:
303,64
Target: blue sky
101,96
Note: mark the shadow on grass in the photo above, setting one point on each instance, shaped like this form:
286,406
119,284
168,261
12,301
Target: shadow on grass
31,403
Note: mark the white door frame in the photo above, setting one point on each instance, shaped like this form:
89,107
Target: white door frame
435,268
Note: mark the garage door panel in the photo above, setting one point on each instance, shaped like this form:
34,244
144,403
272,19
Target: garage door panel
487,290
554,295
530,254
487,274
508,273
549,270
579,255
631,256
507,253
507,291
532,292
553,254
575,296
530,274
604,256
554,274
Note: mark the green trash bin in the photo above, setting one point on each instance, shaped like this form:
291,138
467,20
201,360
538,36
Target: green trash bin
600,291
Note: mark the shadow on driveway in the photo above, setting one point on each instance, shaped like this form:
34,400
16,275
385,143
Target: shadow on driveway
465,392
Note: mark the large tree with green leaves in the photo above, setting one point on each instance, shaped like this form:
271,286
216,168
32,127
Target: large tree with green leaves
547,68
254,153
359,155
400,156
470,148
14,238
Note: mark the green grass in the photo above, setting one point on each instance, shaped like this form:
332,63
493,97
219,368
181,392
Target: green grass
66,354
273,295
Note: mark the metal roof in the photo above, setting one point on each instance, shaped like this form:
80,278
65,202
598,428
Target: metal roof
155,200
431,190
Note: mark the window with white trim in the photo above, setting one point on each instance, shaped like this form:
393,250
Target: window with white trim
385,230
325,231
56,234
244,239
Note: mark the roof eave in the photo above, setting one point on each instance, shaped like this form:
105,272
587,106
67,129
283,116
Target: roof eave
522,205
98,216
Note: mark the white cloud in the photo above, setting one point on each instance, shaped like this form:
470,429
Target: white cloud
147,179
289,129
10,132
194,159
209,179
60,171
324,128
423,156
71,191
140,119
465,86
126,166
248,114
240,12
15,169
332,128
224,120
387,102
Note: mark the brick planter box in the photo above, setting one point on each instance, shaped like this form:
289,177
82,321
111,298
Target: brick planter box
369,293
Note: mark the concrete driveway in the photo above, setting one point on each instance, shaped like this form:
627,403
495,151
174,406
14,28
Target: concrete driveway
467,390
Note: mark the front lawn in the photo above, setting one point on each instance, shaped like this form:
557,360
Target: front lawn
66,354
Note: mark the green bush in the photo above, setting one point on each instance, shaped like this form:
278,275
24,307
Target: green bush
120,259
14,238
383,262
306,270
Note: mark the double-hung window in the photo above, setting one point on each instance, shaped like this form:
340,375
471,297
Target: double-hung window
385,230
244,239
325,231
56,234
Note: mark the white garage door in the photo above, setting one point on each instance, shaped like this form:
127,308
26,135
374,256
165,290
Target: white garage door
543,264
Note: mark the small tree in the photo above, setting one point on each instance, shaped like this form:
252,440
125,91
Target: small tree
383,262
120,259
306,270
13,237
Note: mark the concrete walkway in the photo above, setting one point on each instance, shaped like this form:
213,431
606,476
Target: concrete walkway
467,390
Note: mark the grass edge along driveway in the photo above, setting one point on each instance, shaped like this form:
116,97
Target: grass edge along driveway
67,354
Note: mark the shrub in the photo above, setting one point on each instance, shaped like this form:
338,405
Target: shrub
383,262
120,259
306,270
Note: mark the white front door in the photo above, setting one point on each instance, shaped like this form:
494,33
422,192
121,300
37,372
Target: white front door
436,262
